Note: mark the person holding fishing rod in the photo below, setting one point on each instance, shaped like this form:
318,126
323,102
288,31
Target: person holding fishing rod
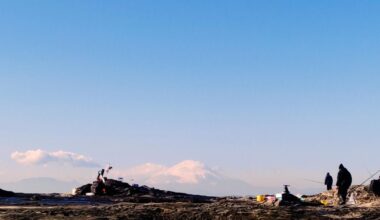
343,182
328,181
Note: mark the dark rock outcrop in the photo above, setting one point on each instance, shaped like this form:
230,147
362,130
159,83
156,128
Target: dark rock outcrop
122,191
115,187
82,190
4,193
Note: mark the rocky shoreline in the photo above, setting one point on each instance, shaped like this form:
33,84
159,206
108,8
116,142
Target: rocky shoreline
150,203
224,208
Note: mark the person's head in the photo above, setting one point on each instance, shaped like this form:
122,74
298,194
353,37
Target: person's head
341,166
328,174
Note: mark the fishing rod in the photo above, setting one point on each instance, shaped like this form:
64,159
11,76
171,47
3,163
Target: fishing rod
357,186
353,189
366,180
314,181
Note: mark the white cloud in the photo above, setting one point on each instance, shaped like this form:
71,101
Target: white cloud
187,172
143,171
187,176
40,157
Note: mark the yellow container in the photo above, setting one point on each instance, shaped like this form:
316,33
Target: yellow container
324,202
260,198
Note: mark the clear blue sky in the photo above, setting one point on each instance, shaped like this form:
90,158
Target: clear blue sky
236,84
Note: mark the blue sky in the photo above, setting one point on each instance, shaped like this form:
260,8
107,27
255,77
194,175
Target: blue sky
242,85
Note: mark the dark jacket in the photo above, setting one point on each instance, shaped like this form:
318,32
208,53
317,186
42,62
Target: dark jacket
344,179
328,180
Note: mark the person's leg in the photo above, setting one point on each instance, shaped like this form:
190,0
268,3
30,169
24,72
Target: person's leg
340,195
343,195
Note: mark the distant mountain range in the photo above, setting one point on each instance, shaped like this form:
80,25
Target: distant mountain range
40,185
187,176
194,177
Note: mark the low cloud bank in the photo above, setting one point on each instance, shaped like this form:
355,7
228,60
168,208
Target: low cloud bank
40,157
186,176
185,172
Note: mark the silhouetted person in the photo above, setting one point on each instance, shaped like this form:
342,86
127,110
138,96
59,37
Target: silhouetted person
343,182
100,176
328,181
286,189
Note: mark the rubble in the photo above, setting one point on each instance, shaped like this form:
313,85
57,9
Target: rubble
143,202
360,193
222,208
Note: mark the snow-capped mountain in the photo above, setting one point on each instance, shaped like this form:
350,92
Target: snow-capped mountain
187,176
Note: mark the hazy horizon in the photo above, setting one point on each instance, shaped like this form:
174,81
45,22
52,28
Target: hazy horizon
263,93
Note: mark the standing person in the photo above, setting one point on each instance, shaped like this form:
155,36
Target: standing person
343,182
328,181
100,177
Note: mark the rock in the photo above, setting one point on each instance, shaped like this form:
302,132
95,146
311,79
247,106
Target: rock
288,199
35,198
98,188
4,193
110,187
136,193
361,193
83,189
115,187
